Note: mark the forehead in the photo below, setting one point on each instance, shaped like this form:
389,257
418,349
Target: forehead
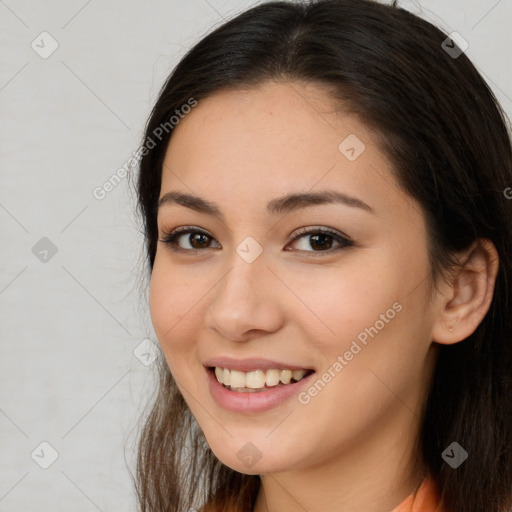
273,139
273,116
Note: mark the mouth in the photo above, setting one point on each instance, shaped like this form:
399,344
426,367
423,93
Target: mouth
257,380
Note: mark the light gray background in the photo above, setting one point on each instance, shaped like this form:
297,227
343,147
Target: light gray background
69,326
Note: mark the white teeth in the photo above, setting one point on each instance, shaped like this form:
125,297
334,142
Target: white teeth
272,378
236,379
257,379
298,374
286,376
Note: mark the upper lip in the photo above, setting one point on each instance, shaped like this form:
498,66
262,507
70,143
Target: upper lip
251,364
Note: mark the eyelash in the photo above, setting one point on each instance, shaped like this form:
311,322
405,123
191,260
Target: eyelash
171,238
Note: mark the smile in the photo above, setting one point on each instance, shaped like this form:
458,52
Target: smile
257,380
248,391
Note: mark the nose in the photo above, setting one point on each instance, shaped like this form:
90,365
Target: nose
244,304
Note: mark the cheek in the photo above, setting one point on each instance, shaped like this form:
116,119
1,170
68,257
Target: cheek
381,334
160,302
366,313
345,301
170,307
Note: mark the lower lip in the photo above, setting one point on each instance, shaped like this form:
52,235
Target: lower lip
258,401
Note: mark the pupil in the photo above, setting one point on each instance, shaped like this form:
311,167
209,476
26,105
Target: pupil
196,237
323,243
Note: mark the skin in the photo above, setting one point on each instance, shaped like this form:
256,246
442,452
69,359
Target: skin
351,448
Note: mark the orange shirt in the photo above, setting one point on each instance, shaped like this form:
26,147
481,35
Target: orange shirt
425,498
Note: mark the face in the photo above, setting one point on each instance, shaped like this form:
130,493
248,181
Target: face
260,285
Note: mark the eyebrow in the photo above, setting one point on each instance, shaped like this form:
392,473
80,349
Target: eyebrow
276,206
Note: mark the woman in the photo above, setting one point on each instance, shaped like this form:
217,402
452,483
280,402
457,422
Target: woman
329,240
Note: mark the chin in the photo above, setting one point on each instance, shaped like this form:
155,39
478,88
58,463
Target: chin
248,459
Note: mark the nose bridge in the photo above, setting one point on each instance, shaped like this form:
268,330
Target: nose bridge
247,264
241,284
241,301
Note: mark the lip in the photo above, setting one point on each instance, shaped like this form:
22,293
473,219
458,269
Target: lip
251,364
253,402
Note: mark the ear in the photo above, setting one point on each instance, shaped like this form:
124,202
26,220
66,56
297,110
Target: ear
463,302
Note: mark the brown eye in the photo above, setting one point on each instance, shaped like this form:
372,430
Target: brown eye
199,240
321,240
318,240
192,239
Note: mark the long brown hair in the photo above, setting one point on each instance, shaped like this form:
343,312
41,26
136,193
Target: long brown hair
449,142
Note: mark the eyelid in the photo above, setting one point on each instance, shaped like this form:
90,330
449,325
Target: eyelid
319,229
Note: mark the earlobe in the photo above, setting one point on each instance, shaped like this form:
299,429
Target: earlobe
466,300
